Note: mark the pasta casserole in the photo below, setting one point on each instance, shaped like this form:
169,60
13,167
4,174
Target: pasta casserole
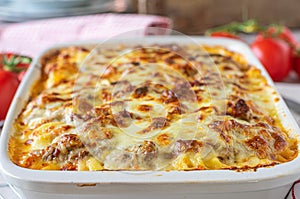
157,107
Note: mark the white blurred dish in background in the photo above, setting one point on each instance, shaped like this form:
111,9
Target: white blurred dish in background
48,4
23,10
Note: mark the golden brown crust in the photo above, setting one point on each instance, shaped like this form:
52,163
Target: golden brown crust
164,107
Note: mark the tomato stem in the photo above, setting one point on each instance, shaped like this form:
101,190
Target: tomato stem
249,26
11,63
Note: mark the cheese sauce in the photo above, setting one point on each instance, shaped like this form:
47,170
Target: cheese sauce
150,108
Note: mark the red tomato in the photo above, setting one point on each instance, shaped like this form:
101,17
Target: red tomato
296,59
281,32
14,63
8,86
224,34
21,75
275,55
296,64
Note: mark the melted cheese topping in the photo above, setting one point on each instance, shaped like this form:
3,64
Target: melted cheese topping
157,108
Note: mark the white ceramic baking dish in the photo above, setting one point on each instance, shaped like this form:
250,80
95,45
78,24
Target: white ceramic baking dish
273,182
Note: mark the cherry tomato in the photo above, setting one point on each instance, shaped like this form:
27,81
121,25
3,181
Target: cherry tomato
8,86
224,34
275,55
280,32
